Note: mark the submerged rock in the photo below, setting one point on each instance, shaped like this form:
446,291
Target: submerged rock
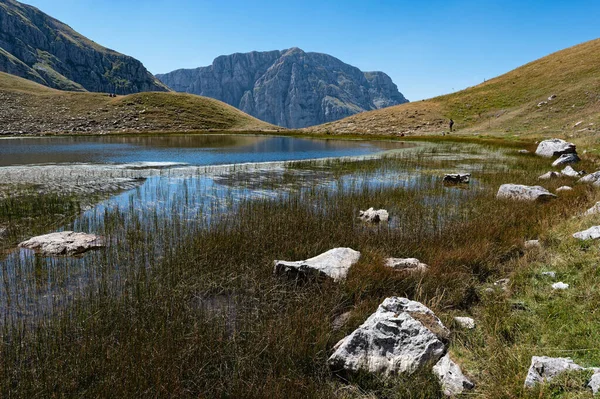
565,159
374,216
335,263
408,264
593,233
63,243
548,176
555,148
400,337
451,377
465,322
523,193
544,369
458,178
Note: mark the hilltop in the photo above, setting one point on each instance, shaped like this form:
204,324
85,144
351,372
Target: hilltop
37,47
557,94
290,88
28,108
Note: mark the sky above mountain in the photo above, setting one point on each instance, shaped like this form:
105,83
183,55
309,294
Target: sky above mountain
428,47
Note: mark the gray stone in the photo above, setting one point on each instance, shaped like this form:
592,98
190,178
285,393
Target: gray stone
544,369
566,159
340,321
523,152
564,188
457,178
335,263
451,377
406,264
570,172
593,233
402,336
63,243
523,193
465,322
549,274
560,286
592,178
555,148
533,244
593,210
548,176
374,216
594,383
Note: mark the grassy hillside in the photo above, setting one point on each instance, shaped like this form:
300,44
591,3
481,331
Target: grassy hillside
28,107
507,104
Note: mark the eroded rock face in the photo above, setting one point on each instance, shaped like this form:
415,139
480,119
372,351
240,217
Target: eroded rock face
451,377
289,88
400,337
555,148
544,369
566,159
406,264
524,193
457,178
335,263
593,233
37,47
374,216
63,243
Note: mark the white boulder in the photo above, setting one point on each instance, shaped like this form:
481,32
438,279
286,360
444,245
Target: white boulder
592,178
560,286
400,337
593,233
566,159
555,148
451,377
465,322
335,263
374,216
66,243
406,264
523,193
544,369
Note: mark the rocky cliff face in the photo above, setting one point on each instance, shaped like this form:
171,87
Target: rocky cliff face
289,88
36,46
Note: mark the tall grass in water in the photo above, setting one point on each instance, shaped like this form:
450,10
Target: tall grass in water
205,317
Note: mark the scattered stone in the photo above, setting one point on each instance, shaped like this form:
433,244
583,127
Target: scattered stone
593,210
593,233
578,123
523,193
564,188
340,321
544,369
334,263
465,322
592,178
406,264
594,383
451,377
552,97
400,337
555,148
542,104
549,274
63,243
566,159
523,152
374,216
548,176
457,178
560,286
533,244
3,232
570,172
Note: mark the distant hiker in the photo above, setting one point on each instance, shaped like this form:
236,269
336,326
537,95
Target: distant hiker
451,124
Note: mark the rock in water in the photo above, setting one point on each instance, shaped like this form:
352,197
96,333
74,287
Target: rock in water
374,216
63,243
408,264
400,337
451,377
593,233
335,263
566,159
457,178
523,193
289,88
555,148
544,369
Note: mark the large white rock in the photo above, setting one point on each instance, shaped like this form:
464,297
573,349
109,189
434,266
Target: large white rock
523,193
335,263
566,159
593,210
593,233
400,337
554,148
451,377
594,383
374,216
592,178
63,243
408,264
544,369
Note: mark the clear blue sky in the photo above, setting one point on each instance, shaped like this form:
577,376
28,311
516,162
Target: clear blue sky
428,47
